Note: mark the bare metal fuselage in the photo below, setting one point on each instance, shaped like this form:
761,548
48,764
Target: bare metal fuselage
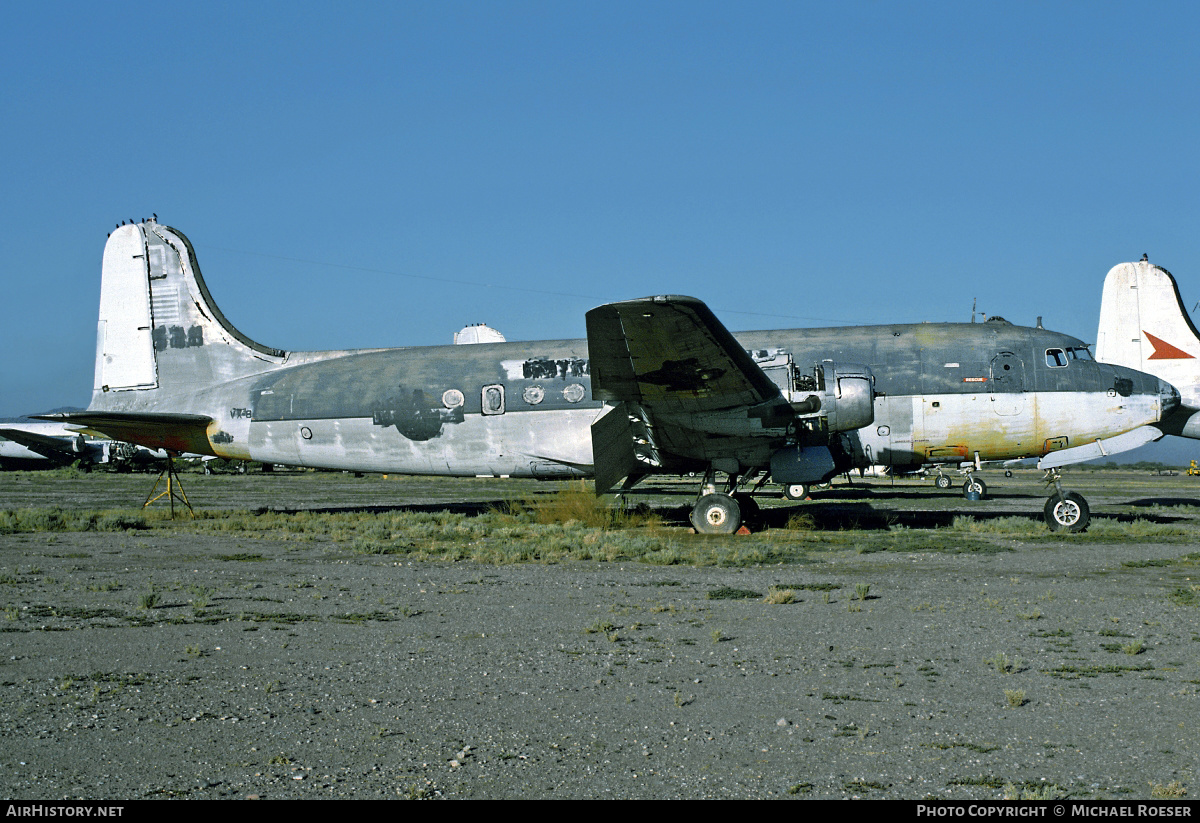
173,373
946,393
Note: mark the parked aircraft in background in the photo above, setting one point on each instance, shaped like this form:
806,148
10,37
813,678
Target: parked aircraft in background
1144,325
34,445
42,445
659,386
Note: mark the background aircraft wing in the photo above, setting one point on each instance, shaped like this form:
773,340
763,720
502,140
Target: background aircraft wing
177,433
62,449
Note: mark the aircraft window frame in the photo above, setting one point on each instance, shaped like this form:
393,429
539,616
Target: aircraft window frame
496,391
1056,358
1081,353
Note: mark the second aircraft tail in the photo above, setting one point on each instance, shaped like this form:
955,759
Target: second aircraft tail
1144,325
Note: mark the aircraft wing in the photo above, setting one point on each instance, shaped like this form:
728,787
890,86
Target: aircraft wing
59,448
684,390
672,354
1101,448
176,433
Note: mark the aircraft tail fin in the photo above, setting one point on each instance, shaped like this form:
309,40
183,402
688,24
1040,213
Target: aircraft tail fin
1144,325
159,332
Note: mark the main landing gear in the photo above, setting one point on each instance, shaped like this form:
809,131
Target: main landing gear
1065,511
722,512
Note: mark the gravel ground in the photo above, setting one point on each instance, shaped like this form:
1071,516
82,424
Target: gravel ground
287,669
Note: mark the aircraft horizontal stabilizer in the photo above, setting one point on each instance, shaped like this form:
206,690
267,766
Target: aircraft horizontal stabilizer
176,433
1106,447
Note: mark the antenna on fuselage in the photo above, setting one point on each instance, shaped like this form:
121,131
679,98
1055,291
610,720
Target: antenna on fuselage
973,300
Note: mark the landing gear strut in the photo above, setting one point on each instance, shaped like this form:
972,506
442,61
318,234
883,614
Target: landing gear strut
1065,511
974,486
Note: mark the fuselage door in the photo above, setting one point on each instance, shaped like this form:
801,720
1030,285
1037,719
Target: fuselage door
1007,384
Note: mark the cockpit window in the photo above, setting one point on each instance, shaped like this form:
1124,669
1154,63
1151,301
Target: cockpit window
1056,358
1079,353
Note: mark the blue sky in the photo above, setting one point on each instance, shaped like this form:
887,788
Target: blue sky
379,174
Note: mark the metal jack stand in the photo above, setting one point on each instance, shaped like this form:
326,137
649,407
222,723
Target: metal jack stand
174,489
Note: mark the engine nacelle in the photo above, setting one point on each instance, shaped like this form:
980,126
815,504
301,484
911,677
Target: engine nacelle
835,398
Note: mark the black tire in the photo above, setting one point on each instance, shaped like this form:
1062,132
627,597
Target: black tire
942,482
795,491
716,514
1068,512
1008,472
976,484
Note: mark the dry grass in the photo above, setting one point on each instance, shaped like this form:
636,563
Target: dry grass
779,597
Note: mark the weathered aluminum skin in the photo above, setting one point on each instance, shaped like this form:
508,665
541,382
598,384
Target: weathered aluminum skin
945,392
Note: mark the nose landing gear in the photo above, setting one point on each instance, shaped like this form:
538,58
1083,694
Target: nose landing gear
1065,511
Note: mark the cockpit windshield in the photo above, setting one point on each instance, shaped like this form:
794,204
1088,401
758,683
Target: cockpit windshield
1059,358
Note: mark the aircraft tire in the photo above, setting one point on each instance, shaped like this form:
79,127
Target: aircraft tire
942,481
716,514
1068,512
795,491
976,485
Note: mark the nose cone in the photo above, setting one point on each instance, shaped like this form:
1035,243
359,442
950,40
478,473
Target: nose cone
1168,397
1145,395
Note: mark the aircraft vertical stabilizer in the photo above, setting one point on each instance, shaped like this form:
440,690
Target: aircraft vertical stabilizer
159,331
1144,326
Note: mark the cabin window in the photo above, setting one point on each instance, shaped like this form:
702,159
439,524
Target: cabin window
493,399
1056,358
